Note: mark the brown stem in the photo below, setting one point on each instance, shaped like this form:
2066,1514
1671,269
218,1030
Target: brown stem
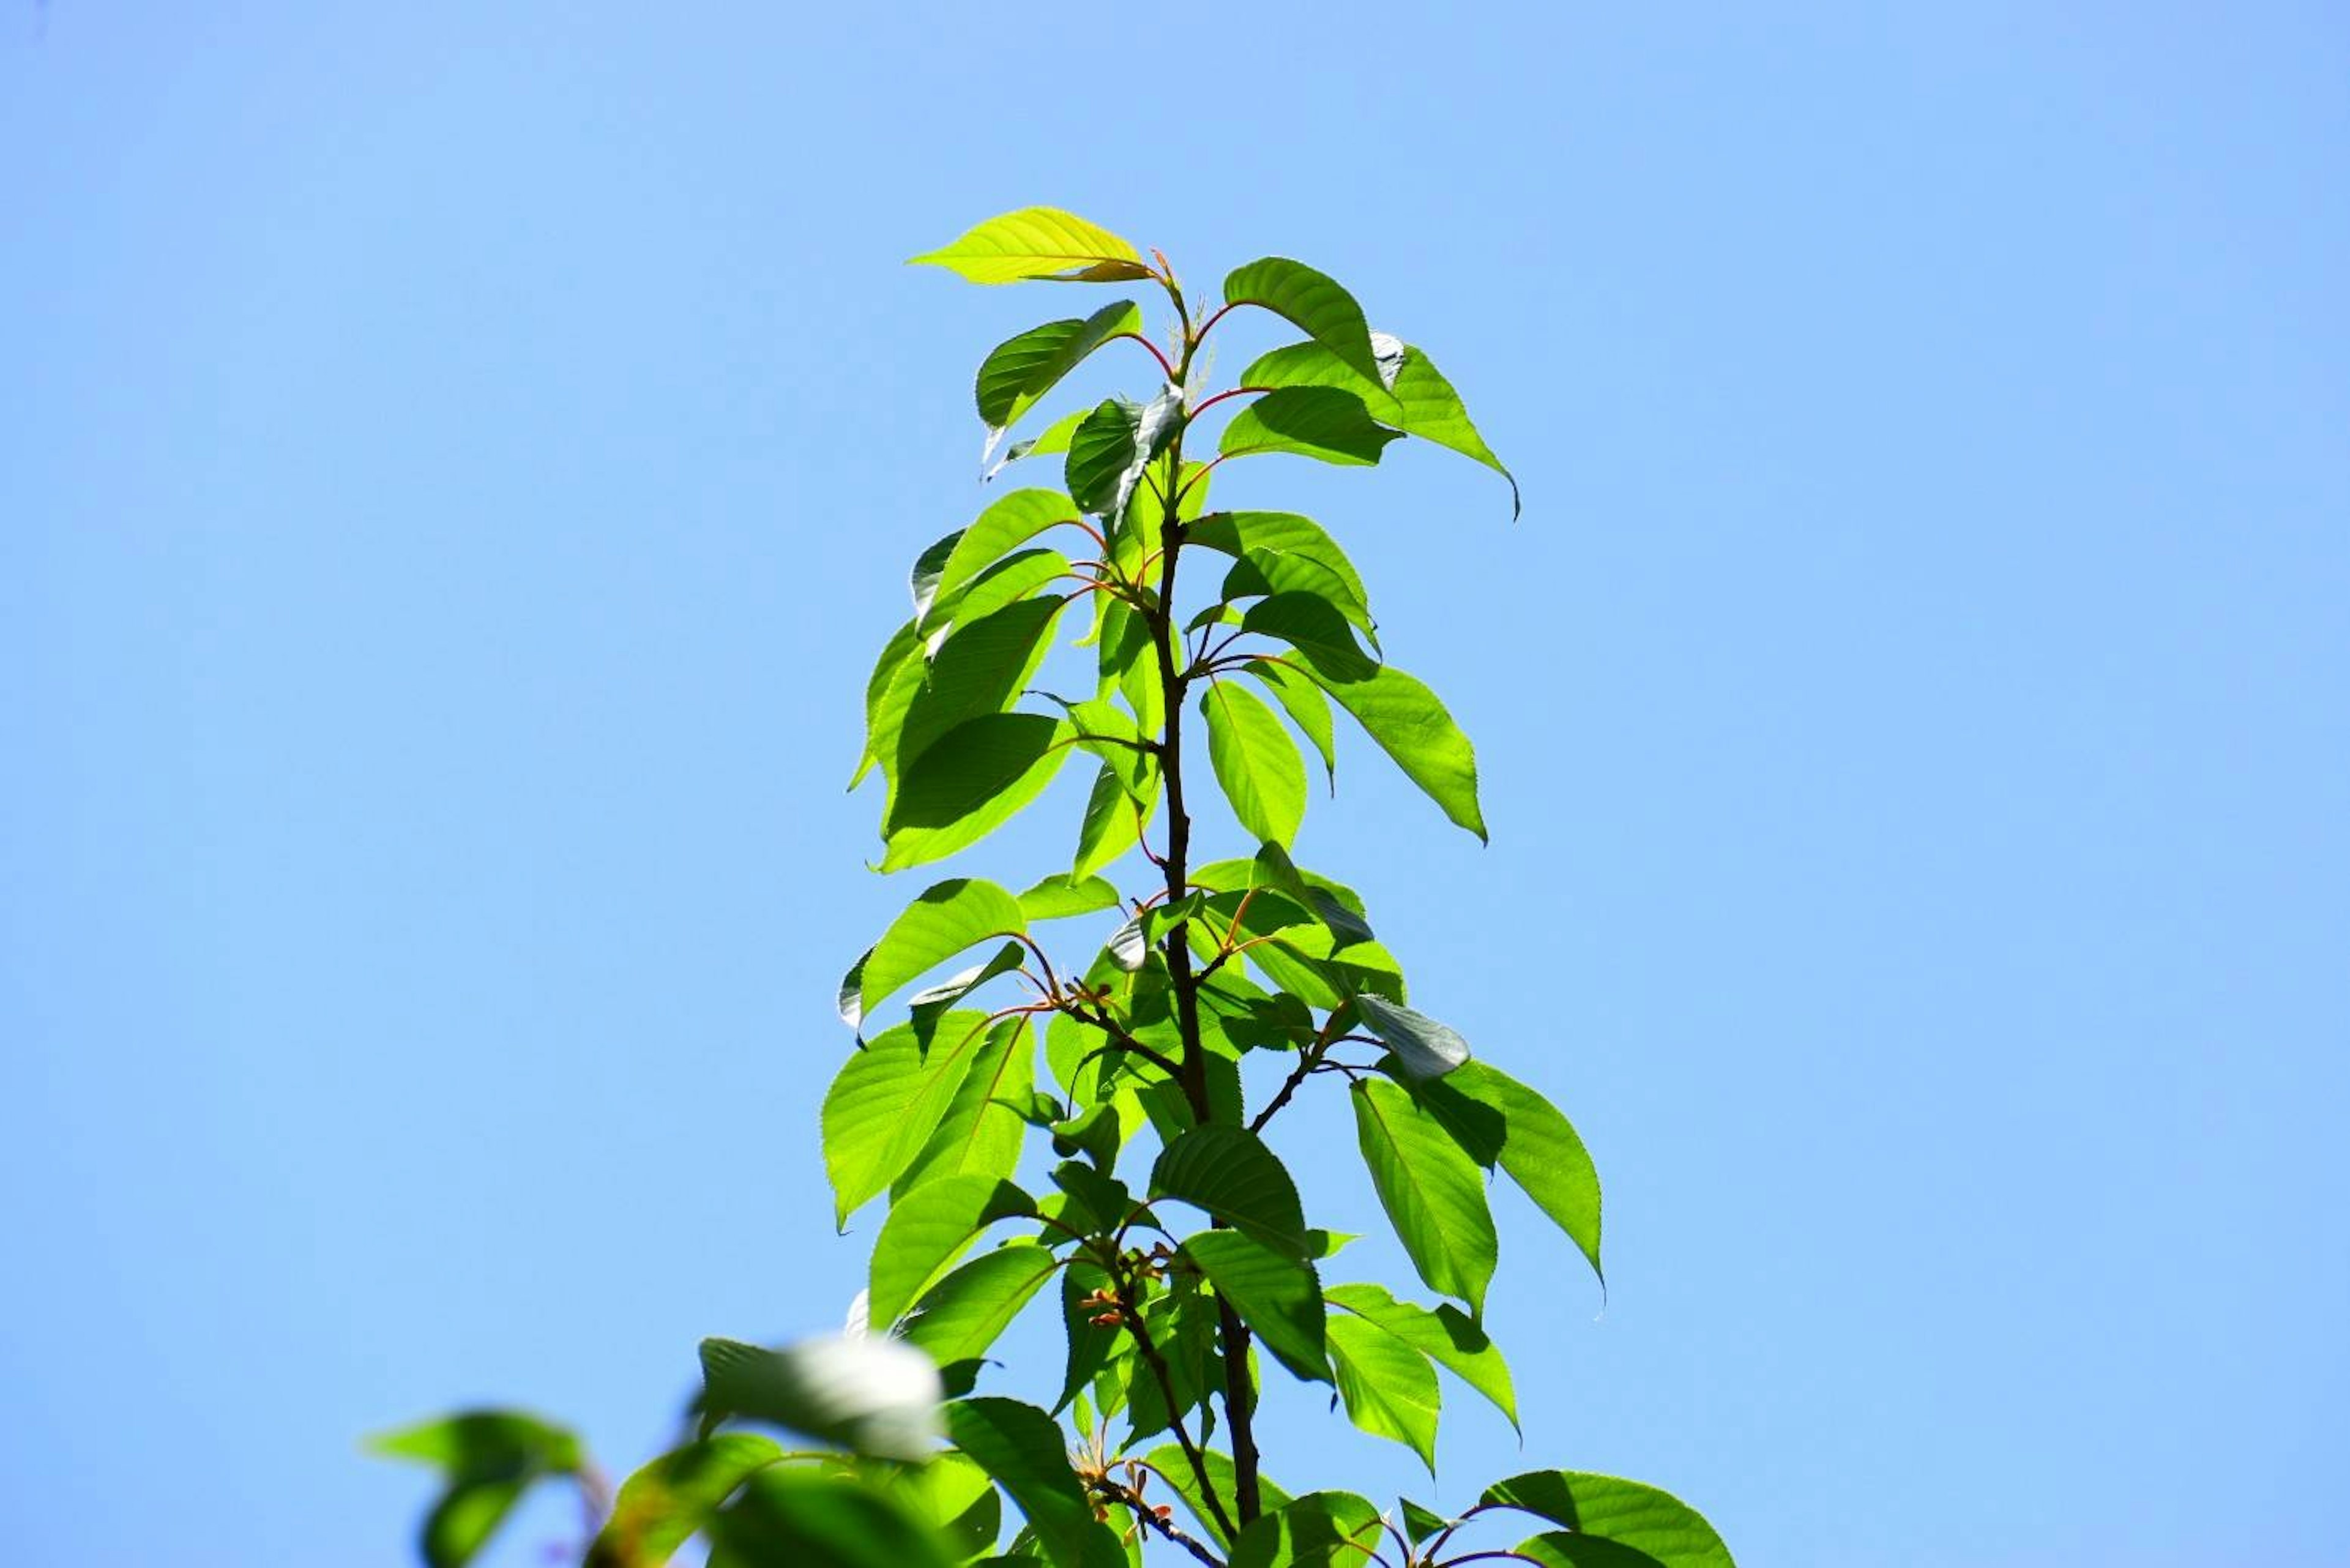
1149,1516
1131,1316
1174,682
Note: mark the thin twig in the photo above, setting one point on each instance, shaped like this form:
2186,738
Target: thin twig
1149,1516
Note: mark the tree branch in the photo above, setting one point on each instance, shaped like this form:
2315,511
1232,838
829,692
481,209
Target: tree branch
1150,1516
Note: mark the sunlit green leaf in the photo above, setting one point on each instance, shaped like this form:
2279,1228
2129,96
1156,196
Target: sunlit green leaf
1395,709
1020,371
959,1317
928,1230
1236,534
887,1101
947,918
1169,1461
1498,1120
1229,1172
970,783
1320,1529
1409,393
1060,895
1038,243
1320,423
1022,1448
1388,1386
982,1129
1010,521
1113,822
1430,1189
1307,708
980,669
1448,1335
1627,1513
1276,1295
1255,762
1420,1523
1312,301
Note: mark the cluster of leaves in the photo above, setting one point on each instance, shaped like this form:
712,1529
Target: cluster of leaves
1130,1180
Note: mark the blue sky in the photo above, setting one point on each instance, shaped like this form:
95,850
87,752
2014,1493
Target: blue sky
457,462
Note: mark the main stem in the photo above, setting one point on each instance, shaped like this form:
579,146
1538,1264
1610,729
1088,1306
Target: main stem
1174,681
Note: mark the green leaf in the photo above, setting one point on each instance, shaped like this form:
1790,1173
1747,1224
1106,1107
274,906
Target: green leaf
1309,300
1113,443
1626,1513
1448,1335
1113,823
929,1005
1255,762
961,1316
484,1445
1259,573
1409,393
1008,521
1238,533
977,777
1423,1048
1169,1461
871,1394
464,1517
1388,1386
1277,1296
1396,711
1023,1448
488,1459
980,669
1021,369
887,1101
1230,1173
948,917
1497,1118
1038,243
1430,1190
983,1128
928,1230
663,1504
1320,1529
1320,423
1309,708
816,1521
1053,439
1419,1523
1058,896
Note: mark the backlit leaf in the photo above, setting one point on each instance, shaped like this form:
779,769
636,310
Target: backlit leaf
947,918
1277,1296
1388,1386
887,1101
1255,762
927,1230
1447,1335
1038,243
970,783
1432,1192
1499,1120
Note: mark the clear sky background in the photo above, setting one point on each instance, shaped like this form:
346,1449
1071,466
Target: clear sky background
457,462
